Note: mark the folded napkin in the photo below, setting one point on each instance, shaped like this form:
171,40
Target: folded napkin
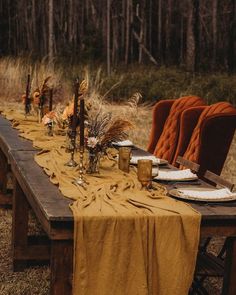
223,193
176,175
134,159
123,143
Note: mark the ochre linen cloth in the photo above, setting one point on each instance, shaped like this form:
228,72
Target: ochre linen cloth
126,241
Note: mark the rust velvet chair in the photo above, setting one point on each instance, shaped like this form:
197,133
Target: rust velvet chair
211,138
165,125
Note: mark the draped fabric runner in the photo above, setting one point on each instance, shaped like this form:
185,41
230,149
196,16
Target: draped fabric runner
127,241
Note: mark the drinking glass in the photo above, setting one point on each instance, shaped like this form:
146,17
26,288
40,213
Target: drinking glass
145,173
124,158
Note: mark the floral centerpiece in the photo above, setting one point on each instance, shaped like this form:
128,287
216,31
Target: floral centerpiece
103,130
49,120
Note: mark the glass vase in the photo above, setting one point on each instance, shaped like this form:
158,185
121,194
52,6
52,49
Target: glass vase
93,162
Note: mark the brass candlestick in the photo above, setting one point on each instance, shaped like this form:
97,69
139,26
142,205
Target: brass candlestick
80,181
72,162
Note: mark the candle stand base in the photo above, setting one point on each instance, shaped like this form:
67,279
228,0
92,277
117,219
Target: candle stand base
71,163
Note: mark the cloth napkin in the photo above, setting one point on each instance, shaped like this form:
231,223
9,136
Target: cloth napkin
223,193
176,175
134,159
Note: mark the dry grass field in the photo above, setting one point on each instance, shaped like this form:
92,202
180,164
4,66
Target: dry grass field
35,280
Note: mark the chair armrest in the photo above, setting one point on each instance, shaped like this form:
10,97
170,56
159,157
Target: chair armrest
188,164
216,179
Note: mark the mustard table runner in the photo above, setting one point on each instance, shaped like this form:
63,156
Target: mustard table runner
126,241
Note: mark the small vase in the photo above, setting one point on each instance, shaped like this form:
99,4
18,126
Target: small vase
94,160
50,129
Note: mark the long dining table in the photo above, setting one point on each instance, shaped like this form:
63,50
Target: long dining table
33,189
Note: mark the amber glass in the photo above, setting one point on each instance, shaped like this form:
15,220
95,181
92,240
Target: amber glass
145,173
124,158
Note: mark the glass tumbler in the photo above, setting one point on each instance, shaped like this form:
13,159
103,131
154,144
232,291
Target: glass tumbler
124,158
145,173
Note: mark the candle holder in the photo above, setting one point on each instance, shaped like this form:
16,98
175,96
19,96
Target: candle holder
72,162
80,181
50,129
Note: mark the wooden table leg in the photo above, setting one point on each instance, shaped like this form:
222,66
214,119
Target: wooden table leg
20,217
4,169
5,197
61,265
229,284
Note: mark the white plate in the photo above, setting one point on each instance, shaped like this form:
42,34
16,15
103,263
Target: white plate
155,161
123,143
176,193
176,175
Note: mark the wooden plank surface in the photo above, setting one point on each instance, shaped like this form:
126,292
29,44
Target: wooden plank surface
40,192
36,182
10,140
4,122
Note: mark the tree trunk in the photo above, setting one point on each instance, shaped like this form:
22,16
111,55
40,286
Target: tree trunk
232,37
50,32
192,60
160,29
108,38
127,35
214,31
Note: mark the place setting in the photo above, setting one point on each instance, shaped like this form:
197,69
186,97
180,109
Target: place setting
203,194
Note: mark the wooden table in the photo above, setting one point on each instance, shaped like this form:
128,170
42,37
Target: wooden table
32,188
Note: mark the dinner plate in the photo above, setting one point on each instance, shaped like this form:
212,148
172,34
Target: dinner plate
177,179
123,143
176,175
134,161
175,193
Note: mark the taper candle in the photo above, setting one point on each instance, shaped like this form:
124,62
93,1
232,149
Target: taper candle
50,99
81,118
27,98
75,118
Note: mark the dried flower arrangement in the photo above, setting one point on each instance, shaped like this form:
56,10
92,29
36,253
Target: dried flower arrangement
68,111
38,97
103,131
50,118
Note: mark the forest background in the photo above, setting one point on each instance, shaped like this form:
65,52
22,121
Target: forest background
162,48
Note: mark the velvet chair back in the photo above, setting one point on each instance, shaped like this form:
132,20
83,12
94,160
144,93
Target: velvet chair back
211,138
165,125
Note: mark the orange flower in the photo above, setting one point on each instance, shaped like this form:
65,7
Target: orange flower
49,118
68,111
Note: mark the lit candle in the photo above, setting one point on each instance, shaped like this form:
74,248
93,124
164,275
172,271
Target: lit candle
50,99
